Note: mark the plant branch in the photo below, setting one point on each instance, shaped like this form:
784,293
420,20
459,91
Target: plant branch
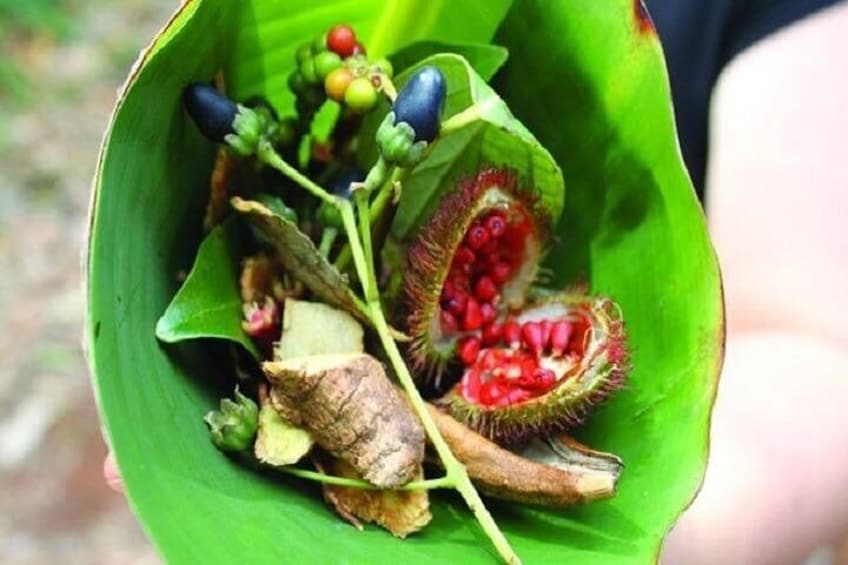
429,484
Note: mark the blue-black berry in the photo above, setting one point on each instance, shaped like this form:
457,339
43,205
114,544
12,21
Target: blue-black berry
211,111
420,103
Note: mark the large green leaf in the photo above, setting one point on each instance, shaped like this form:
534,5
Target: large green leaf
590,83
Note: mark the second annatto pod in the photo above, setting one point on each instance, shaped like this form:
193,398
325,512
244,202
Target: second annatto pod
526,365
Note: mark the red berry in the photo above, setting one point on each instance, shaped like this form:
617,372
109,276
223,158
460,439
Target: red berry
560,335
488,312
473,319
485,289
468,348
465,255
477,236
492,334
512,332
501,272
459,281
449,324
496,225
341,40
531,337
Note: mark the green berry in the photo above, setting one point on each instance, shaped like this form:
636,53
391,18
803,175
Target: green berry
303,53
385,67
360,95
307,69
325,63
319,43
296,82
286,131
329,216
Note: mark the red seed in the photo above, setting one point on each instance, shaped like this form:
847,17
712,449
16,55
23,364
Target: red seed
341,40
516,396
456,304
472,319
465,255
531,337
512,332
492,334
496,225
488,312
467,349
477,236
560,335
544,379
459,282
501,272
491,392
547,328
449,324
490,358
485,289
490,248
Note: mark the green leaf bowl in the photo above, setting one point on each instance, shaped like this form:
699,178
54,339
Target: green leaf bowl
588,79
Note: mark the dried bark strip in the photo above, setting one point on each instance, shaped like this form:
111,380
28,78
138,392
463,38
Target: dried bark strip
353,411
503,474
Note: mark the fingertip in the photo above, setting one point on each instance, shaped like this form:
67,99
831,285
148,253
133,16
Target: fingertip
111,474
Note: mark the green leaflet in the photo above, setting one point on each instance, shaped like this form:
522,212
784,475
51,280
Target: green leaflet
483,133
209,304
592,88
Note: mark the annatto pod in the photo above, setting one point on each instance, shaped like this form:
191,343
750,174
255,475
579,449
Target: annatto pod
526,367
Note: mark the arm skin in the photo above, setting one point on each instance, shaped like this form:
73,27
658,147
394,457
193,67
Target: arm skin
777,481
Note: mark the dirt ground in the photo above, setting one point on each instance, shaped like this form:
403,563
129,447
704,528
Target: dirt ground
67,58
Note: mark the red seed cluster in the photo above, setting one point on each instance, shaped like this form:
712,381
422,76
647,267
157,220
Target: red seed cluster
482,263
503,364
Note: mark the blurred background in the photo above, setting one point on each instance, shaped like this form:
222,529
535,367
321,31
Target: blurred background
62,62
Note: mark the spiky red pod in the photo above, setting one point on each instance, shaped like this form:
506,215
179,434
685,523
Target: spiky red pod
473,260
509,393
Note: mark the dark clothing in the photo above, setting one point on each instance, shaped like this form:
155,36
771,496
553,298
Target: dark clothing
699,38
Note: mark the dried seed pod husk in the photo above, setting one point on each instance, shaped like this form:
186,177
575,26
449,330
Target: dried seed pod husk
562,476
401,512
354,412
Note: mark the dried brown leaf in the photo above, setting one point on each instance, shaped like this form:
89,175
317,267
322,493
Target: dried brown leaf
400,512
353,411
301,258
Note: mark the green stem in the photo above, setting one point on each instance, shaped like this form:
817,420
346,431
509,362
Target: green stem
268,155
456,475
455,471
429,484
378,207
365,232
328,237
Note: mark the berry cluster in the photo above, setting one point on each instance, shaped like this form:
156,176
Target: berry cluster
335,65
